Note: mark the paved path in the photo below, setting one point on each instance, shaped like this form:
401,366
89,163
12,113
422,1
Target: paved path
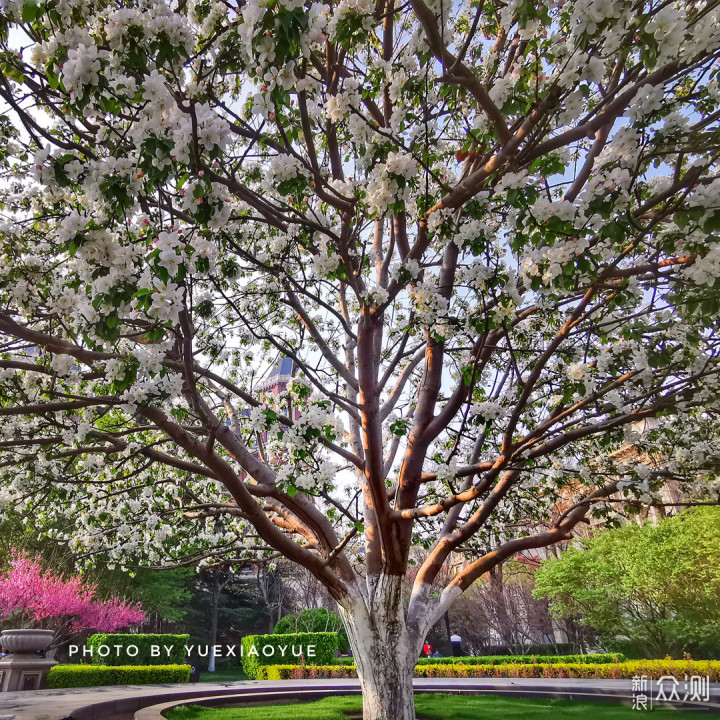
123,702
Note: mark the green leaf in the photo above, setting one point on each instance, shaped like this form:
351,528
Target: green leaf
614,230
681,218
155,335
32,10
648,50
712,223
399,427
53,79
710,306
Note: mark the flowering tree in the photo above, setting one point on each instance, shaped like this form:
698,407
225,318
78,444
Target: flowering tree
66,605
484,233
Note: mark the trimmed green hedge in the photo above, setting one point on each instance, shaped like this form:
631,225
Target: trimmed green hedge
66,676
598,658
314,620
256,652
504,659
623,670
143,642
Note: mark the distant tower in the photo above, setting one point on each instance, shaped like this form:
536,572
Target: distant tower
277,382
279,377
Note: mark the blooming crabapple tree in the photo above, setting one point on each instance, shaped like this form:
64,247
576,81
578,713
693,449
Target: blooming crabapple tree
485,233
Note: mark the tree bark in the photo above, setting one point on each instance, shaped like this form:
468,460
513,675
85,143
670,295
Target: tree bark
386,684
214,619
385,650
505,626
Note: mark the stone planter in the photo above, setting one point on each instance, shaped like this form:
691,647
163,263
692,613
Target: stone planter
26,642
23,669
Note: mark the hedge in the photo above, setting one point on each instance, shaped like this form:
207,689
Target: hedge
286,647
505,659
623,670
539,649
143,642
302,672
598,658
67,676
314,620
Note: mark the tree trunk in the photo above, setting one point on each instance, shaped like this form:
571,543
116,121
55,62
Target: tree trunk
505,626
386,684
385,652
214,619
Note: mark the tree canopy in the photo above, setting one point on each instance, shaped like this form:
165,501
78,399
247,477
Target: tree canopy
485,234
35,595
652,589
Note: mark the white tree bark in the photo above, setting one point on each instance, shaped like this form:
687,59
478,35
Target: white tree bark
384,648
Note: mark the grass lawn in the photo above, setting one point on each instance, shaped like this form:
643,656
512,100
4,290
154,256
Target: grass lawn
223,675
434,707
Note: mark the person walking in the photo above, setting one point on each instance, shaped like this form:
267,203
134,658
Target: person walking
456,644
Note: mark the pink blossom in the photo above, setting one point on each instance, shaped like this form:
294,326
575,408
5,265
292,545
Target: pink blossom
39,596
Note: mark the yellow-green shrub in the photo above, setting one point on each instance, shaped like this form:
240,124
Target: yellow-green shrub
325,644
120,642
300,672
64,676
624,670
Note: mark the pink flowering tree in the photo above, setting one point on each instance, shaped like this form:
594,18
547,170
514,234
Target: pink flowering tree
30,594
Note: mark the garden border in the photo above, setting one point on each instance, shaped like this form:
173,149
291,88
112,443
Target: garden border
151,706
621,696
